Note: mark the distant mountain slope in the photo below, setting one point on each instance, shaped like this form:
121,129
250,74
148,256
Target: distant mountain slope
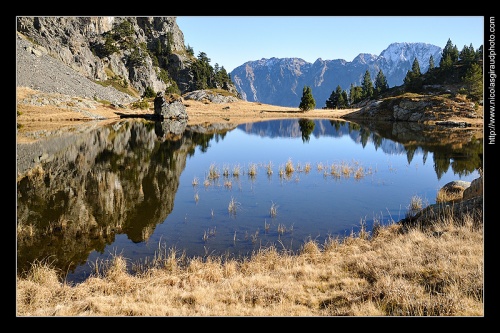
280,81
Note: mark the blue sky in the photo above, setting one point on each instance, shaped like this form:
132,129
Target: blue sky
230,41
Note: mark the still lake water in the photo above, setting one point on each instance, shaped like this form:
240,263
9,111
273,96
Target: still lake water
138,187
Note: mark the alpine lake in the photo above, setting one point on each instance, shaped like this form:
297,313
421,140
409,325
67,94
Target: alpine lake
139,188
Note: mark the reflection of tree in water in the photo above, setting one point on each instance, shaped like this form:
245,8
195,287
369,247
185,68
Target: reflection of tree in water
461,150
118,179
306,128
365,135
337,124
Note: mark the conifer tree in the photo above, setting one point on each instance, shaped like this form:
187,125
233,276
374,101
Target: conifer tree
367,85
415,68
479,53
331,102
474,81
307,101
467,54
449,55
381,84
340,101
355,94
431,62
344,100
413,74
413,78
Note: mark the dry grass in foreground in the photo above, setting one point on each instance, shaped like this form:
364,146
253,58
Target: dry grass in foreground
393,271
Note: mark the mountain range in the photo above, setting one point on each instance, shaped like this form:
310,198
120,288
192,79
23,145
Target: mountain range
279,81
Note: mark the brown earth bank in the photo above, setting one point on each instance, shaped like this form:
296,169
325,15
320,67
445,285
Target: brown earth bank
42,114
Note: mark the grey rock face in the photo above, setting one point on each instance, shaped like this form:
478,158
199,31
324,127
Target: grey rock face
203,95
475,189
166,110
78,42
37,69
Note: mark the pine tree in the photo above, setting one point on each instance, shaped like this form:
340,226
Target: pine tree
355,94
331,102
344,100
413,78
479,53
340,101
367,85
431,62
381,84
467,54
449,55
413,74
415,68
474,81
307,101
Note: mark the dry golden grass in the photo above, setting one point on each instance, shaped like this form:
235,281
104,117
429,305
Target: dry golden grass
394,271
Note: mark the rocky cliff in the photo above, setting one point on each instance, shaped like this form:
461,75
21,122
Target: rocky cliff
135,53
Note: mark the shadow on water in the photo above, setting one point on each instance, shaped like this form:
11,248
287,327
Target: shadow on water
123,178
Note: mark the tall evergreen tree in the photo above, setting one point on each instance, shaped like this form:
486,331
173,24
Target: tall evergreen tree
340,101
474,81
479,53
431,62
455,54
413,74
202,72
415,68
355,94
381,84
467,54
344,100
449,55
413,78
331,102
307,101
367,85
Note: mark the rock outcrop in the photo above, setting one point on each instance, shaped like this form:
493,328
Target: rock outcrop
169,110
418,108
470,204
205,96
474,190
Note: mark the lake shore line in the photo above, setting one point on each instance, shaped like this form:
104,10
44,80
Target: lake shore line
46,114
57,114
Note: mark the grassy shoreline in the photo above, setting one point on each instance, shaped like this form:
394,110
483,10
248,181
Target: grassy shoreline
396,270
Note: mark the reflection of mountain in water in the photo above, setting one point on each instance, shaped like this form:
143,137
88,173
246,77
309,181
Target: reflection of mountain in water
117,179
460,150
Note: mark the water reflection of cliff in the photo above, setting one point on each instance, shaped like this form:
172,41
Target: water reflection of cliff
117,179
461,150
